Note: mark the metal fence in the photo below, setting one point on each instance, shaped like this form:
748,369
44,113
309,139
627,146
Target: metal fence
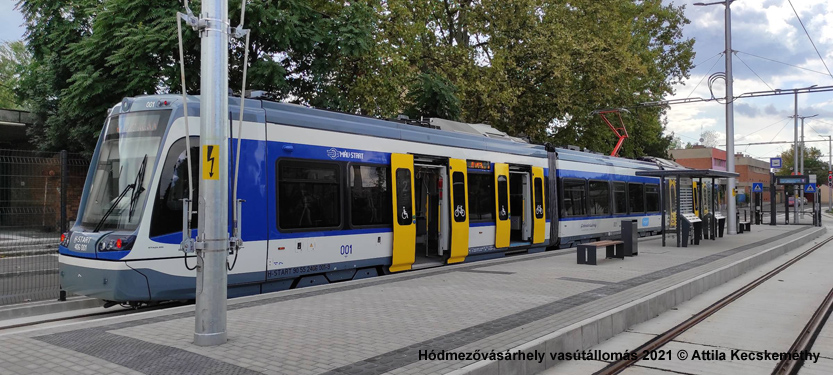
39,197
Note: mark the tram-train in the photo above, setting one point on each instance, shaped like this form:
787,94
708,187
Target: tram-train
332,196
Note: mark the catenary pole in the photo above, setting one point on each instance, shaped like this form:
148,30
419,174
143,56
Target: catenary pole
730,122
213,237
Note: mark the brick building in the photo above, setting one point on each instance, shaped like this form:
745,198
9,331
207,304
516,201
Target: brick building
700,157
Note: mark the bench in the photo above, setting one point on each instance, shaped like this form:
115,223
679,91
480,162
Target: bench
586,252
744,226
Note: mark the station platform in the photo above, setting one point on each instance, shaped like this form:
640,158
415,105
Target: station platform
399,324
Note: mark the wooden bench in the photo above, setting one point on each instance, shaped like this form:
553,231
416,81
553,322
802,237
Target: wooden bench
586,252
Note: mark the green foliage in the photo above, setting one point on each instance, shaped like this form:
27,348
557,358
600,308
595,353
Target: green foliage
528,67
14,59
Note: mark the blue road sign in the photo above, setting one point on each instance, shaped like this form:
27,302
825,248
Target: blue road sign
775,163
810,188
757,187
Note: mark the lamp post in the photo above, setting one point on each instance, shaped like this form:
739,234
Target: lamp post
730,113
829,171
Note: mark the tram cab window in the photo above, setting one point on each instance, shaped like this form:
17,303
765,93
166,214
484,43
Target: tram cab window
370,199
308,194
481,197
599,197
620,198
575,197
652,197
173,188
636,193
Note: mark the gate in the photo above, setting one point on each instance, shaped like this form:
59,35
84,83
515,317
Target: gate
39,197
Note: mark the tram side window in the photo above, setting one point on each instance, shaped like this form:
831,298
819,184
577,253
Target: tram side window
636,192
308,195
173,187
652,197
575,197
539,198
503,197
620,198
599,198
404,197
370,199
481,197
458,188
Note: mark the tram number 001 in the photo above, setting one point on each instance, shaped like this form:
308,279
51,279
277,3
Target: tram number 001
346,249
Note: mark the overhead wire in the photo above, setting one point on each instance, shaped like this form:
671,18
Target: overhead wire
705,75
753,72
811,39
781,62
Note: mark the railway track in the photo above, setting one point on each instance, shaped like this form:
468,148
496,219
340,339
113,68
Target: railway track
786,367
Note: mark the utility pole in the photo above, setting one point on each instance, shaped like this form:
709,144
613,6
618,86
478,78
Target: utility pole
795,158
829,171
212,237
731,221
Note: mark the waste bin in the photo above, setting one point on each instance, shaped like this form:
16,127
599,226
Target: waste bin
630,236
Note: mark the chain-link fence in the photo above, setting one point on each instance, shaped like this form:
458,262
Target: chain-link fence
39,197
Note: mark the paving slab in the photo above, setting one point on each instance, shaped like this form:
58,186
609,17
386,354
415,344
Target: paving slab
538,301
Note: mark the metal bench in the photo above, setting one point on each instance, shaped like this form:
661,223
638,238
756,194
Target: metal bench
586,252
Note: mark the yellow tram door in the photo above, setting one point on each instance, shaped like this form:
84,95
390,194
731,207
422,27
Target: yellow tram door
459,210
404,224
538,196
502,224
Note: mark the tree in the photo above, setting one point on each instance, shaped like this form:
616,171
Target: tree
710,138
528,67
812,162
14,59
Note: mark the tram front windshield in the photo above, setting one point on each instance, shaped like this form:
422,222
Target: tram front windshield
123,170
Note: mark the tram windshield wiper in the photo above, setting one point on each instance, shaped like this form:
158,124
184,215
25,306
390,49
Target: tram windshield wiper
136,193
138,187
113,206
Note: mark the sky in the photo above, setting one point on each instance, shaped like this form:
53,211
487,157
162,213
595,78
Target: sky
761,30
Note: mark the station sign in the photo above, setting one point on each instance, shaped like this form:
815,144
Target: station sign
791,180
775,163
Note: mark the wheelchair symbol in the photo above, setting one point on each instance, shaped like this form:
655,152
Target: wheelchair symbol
539,210
502,211
460,211
404,213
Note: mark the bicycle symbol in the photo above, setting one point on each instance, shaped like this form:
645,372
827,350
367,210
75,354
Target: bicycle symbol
460,211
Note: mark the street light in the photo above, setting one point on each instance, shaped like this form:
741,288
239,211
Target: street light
829,171
730,113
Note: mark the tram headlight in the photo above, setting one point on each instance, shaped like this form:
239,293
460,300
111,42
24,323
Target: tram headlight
114,242
65,239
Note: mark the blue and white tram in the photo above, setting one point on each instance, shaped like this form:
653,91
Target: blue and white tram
331,197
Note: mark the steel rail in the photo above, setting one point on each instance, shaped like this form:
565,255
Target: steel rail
671,334
804,341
